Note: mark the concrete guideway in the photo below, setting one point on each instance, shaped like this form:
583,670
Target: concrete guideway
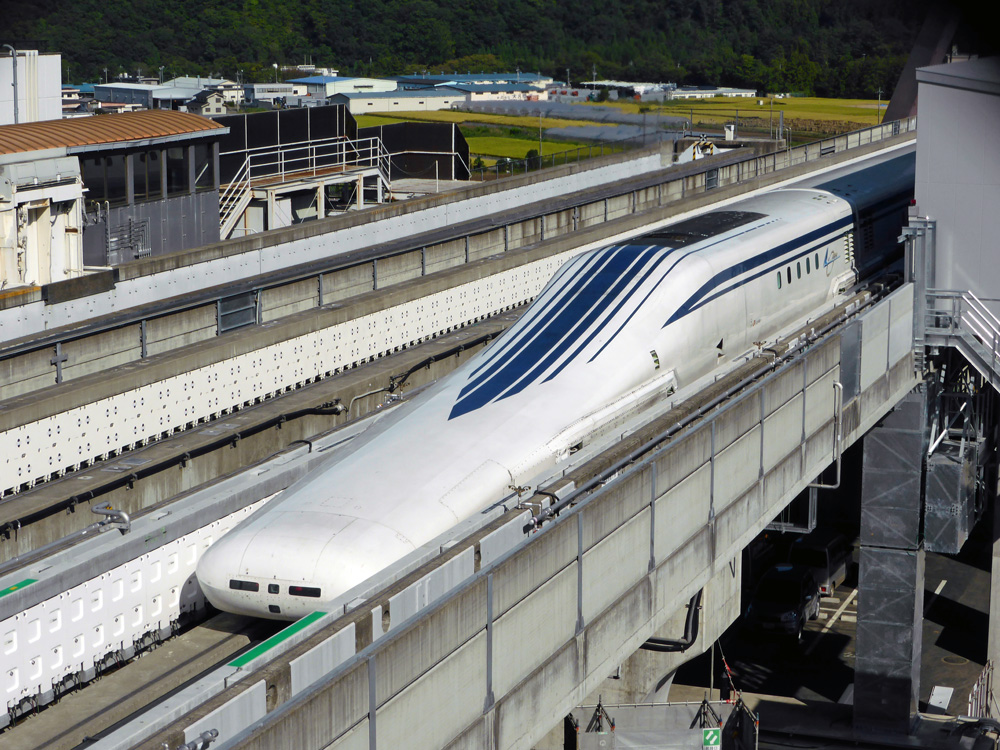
592,585
397,611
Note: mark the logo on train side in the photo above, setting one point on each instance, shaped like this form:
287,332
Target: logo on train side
828,259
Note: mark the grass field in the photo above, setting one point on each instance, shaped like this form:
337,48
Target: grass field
514,148
811,114
368,121
808,117
471,117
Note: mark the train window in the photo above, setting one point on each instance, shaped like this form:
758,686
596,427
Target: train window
243,585
807,264
779,279
273,588
788,274
274,609
816,257
798,270
304,591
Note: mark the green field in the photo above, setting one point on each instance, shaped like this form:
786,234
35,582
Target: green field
447,115
801,113
515,148
368,121
494,137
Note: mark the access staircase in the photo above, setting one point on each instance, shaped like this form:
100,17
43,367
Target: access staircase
962,320
300,162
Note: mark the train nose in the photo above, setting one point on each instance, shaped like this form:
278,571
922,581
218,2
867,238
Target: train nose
217,575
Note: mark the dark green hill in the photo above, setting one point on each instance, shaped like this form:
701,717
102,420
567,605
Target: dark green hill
826,47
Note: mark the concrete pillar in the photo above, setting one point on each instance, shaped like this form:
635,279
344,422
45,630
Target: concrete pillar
271,223
891,580
993,649
321,201
361,192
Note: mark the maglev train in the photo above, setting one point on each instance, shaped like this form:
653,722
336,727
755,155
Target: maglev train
651,314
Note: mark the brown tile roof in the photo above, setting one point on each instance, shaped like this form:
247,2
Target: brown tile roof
90,131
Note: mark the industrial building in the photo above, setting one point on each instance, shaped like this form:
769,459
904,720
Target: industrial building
84,194
418,100
322,87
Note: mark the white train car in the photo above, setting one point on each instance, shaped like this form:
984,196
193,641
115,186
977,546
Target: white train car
613,326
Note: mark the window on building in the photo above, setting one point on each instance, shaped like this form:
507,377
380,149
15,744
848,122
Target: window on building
177,172
204,167
116,179
92,173
146,175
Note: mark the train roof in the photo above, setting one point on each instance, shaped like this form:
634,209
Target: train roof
868,188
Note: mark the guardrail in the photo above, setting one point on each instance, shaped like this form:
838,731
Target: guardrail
952,312
297,160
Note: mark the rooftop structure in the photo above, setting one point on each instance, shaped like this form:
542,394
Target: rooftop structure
324,86
37,87
531,79
85,193
436,98
77,136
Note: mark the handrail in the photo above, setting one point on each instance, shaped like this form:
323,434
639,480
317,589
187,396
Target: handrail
285,159
231,196
967,313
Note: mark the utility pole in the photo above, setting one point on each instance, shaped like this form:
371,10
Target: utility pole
567,78
13,60
878,111
539,136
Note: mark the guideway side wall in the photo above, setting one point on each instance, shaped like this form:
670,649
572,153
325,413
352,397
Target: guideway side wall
527,637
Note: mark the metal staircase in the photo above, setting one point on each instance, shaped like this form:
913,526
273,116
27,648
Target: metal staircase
300,162
962,320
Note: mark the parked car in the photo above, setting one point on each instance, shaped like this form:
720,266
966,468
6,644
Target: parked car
785,598
827,554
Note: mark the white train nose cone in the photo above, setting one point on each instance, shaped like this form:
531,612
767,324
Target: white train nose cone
219,581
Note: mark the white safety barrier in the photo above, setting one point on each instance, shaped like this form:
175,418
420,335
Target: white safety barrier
72,635
63,442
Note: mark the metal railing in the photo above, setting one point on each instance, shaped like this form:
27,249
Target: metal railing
297,160
956,312
981,703
801,154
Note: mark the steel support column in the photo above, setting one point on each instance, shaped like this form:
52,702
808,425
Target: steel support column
891,580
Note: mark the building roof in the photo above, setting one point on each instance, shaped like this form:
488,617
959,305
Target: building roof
982,74
521,77
197,82
103,129
493,88
321,79
437,91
